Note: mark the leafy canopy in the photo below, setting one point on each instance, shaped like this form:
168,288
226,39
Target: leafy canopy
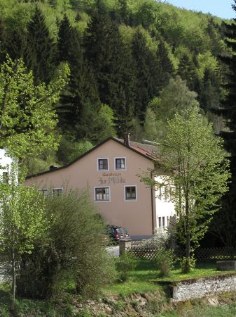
27,110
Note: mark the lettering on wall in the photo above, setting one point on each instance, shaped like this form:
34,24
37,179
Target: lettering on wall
111,179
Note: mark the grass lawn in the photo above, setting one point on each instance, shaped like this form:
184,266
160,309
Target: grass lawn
145,278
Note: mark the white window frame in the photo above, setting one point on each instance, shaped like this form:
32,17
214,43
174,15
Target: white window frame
132,199
95,194
119,158
102,158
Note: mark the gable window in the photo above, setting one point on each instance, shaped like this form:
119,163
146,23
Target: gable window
103,164
120,163
130,193
102,194
57,191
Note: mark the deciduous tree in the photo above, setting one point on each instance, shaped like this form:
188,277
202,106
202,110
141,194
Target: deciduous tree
27,111
199,167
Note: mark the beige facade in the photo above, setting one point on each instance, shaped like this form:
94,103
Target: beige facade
110,172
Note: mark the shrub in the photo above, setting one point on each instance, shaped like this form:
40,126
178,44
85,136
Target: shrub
72,253
164,260
187,264
124,265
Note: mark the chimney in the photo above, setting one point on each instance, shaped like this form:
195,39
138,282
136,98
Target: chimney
127,139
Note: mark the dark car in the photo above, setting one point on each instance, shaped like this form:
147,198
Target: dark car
117,233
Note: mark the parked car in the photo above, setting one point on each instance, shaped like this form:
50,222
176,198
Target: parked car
117,233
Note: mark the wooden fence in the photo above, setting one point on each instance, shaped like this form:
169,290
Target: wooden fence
148,250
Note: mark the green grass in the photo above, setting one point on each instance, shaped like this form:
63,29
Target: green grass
145,278
203,311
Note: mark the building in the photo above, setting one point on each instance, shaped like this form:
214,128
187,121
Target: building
111,173
6,167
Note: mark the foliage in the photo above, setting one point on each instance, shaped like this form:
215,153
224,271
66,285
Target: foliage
121,53
174,98
27,112
124,265
199,167
164,260
69,149
187,264
23,222
72,252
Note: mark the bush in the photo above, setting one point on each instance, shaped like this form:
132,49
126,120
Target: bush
124,265
187,264
72,253
164,260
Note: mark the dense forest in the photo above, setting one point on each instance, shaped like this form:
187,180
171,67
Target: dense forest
122,55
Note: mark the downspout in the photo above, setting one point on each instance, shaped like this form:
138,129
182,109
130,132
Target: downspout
152,207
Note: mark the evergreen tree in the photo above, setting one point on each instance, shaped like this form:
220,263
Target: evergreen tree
224,223
187,71
146,74
40,50
113,67
165,66
81,90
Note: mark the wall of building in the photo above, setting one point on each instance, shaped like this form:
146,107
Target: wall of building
136,215
163,202
5,166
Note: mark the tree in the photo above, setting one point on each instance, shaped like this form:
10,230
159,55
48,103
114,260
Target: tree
174,98
81,91
23,221
165,67
146,74
187,71
222,226
27,111
73,250
197,161
40,50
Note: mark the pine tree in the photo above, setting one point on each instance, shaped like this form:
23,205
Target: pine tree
224,223
40,50
187,71
81,91
113,67
165,66
146,74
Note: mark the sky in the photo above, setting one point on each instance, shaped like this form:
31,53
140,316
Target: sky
220,8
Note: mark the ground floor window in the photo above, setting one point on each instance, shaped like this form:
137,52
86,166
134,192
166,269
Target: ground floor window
130,193
102,194
57,191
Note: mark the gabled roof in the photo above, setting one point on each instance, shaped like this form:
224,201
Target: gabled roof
145,150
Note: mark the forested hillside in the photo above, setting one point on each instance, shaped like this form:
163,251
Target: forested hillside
122,55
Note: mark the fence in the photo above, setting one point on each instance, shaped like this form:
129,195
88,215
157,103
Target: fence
148,250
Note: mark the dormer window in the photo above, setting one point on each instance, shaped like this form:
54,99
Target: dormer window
103,164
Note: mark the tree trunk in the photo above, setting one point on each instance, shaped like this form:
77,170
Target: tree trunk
13,278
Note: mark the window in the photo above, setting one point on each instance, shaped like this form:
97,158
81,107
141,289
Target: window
103,164
161,222
120,163
57,191
102,194
130,192
5,177
44,191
